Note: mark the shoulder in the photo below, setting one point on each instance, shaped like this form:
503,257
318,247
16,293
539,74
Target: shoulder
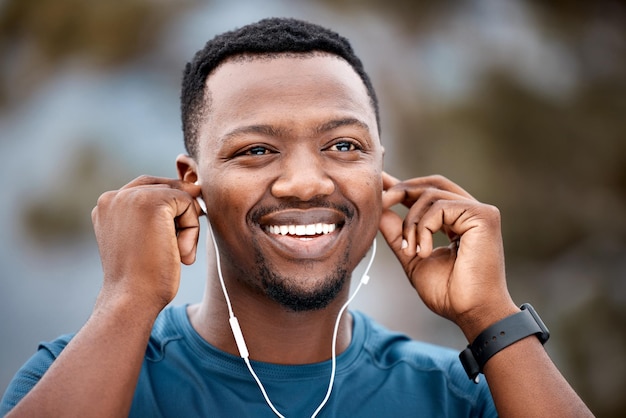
435,370
169,326
390,347
32,371
165,329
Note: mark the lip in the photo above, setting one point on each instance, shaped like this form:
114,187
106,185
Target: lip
303,217
298,247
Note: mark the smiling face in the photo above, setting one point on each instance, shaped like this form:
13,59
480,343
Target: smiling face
290,165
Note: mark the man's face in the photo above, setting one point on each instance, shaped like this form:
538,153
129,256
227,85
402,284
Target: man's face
290,163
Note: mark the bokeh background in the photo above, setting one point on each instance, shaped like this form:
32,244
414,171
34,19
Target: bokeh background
523,102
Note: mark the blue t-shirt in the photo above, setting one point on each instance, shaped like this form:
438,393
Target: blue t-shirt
381,374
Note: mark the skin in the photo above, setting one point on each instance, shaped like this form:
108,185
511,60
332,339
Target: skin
288,140
307,157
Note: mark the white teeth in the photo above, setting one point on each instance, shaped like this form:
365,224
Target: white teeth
301,230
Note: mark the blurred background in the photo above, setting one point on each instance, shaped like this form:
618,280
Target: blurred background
522,102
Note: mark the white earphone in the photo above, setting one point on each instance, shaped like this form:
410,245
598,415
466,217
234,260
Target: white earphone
241,344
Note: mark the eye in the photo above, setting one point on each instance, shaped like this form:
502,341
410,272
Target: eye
257,150
344,146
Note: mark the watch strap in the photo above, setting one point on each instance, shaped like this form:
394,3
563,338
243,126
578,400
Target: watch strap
500,335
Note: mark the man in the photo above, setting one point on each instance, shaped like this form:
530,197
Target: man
281,127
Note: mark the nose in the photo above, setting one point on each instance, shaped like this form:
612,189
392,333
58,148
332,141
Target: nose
302,177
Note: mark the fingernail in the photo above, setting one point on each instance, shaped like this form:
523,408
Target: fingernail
417,249
405,244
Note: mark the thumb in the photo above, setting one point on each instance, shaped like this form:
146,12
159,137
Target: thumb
187,245
188,233
391,228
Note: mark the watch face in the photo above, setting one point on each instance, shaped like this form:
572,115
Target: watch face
545,332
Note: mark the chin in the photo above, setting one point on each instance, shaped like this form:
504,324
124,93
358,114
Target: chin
286,290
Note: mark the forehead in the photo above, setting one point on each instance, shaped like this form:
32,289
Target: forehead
287,87
260,67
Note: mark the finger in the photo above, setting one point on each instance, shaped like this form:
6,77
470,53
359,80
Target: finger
425,201
391,228
188,230
394,196
193,189
409,191
103,201
389,180
188,244
435,182
147,181
458,216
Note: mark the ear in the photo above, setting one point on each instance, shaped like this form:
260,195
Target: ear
187,168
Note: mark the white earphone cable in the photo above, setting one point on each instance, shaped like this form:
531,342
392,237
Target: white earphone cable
241,345
364,279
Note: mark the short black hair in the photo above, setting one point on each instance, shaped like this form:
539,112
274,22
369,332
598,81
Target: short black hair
265,37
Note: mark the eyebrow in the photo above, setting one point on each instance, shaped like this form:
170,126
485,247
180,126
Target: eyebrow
338,123
265,130
273,131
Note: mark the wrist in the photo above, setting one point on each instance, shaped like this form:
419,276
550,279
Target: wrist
126,307
477,320
499,336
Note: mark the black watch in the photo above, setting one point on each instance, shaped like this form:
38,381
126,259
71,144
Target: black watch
500,335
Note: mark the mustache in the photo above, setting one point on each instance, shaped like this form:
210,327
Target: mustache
259,212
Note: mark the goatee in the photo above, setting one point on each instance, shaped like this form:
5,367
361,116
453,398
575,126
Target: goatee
283,291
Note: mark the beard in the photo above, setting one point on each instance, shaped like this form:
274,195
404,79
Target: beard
284,289
281,289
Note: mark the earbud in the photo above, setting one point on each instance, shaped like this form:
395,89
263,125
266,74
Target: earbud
201,203
200,200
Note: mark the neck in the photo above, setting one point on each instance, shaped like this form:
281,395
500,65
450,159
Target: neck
272,333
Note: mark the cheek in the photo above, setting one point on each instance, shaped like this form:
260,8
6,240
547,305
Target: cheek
368,200
365,189
227,211
365,192
229,198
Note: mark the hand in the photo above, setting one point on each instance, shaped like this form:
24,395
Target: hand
465,281
144,231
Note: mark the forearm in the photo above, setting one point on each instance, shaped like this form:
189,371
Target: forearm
525,383
97,372
466,283
522,378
